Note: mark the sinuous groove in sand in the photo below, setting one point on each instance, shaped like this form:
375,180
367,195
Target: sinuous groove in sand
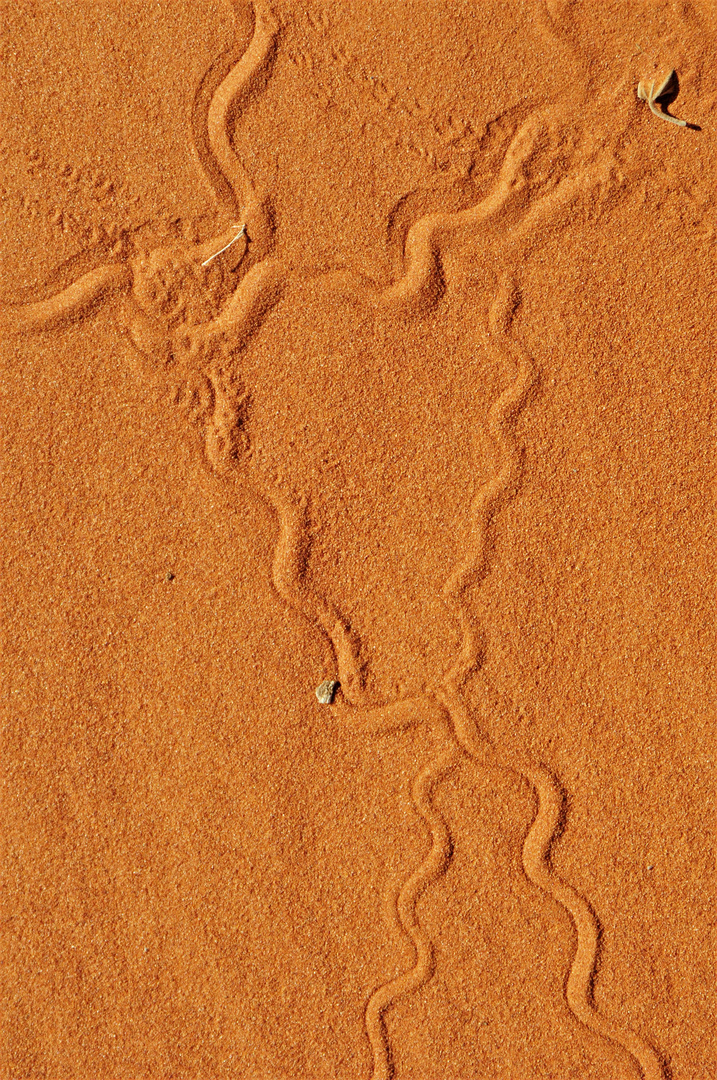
578,990
162,326
75,302
291,554
491,494
435,864
536,849
421,281
230,95
394,716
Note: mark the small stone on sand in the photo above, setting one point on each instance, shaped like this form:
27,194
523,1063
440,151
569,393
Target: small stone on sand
325,692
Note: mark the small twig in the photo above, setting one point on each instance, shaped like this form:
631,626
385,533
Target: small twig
240,233
652,95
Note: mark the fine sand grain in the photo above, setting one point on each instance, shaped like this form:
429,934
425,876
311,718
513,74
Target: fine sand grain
357,370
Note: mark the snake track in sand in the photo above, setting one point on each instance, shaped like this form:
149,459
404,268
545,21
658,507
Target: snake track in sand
414,292
433,866
419,288
550,805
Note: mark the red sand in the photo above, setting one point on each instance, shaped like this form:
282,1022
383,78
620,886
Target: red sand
436,426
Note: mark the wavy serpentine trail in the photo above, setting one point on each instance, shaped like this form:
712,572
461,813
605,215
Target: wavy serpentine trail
550,802
73,303
419,288
234,90
498,488
435,864
289,565
578,989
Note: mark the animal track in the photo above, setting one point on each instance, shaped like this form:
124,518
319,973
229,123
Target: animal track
75,201
435,864
337,79
193,306
578,989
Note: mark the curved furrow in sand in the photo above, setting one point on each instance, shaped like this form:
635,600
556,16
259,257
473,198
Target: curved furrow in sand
400,715
214,75
638,1056
75,302
481,750
497,488
421,284
429,871
244,79
289,565
578,989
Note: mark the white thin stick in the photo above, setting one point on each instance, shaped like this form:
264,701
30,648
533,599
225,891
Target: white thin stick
240,233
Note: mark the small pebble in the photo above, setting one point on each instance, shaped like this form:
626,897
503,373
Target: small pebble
325,692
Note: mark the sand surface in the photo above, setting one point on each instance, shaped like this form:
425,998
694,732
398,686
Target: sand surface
366,342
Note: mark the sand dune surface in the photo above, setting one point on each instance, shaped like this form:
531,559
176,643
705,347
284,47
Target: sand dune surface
370,348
